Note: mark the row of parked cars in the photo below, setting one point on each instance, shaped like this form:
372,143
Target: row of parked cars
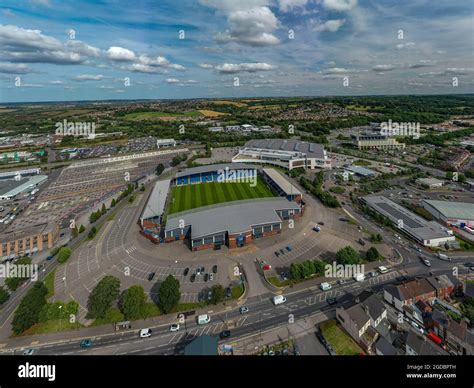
289,248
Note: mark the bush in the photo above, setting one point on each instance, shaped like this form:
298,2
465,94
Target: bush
218,294
64,254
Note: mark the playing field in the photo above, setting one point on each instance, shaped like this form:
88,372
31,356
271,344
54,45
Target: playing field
204,194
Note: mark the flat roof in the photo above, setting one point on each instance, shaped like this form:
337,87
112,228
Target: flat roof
360,170
237,217
286,186
461,210
212,168
429,181
155,205
13,187
412,223
312,150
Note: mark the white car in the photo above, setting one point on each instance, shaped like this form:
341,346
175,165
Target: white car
174,327
211,277
145,333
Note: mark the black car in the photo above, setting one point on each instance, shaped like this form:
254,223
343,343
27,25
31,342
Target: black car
321,223
214,269
331,301
151,276
186,271
277,253
228,292
193,278
282,251
206,277
225,334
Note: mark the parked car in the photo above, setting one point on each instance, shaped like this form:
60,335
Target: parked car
244,310
186,271
228,292
214,269
425,261
86,343
321,223
224,334
211,277
192,278
206,277
317,229
282,251
331,301
289,248
277,253
283,276
151,276
174,327
28,352
145,333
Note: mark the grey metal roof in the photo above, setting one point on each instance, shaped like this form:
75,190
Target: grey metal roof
413,224
13,187
361,170
237,217
284,184
213,167
156,202
312,150
460,210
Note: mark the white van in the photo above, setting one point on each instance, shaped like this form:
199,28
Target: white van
359,277
382,269
325,286
203,319
279,299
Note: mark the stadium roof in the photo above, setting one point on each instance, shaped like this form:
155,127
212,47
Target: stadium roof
361,170
236,217
286,186
312,150
460,210
156,202
416,226
212,168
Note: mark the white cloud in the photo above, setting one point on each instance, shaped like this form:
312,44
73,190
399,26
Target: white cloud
172,81
335,70
404,45
381,68
206,66
89,77
288,5
13,68
340,5
120,54
330,25
231,68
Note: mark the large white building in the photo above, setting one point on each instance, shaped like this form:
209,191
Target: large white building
285,153
452,213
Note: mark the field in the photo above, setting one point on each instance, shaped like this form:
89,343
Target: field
342,344
204,194
159,115
211,113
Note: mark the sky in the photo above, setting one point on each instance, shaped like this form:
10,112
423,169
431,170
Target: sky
62,50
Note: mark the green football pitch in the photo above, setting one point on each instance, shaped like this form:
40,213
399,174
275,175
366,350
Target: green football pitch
196,195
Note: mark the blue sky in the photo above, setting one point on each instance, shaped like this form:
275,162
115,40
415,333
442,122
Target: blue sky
55,50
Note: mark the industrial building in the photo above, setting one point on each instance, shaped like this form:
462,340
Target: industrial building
360,171
13,174
427,233
152,213
11,188
431,183
376,141
282,185
233,224
215,173
163,143
459,214
285,153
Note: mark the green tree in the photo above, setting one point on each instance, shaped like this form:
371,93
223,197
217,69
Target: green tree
103,209
169,294
64,254
27,313
74,231
114,315
372,254
218,294
347,255
113,203
102,296
82,229
4,295
159,169
132,303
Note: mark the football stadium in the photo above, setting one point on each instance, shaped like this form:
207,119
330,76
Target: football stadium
222,204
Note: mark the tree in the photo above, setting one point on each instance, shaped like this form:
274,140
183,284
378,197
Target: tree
113,203
4,295
114,315
218,294
132,303
27,313
169,294
159,169
82,229
347,255
64,254
74,231
103,210
102,296
372,254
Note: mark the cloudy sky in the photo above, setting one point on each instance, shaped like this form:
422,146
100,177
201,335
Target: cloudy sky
53,50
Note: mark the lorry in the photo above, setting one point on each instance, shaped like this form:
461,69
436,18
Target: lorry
325,286
278,299
203,319
359,277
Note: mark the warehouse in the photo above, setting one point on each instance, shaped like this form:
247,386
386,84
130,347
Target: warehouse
216,173
430,183
11,188
285,153
234,224
459,214
428,233
282,185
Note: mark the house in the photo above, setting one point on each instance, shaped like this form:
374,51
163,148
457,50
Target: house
443,285
408,293
417,345
385,348
360,316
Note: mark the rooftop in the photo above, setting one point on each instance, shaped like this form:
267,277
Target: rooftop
156,202
462,210
212,168
429,181
284,184
361,170
13,187
312,150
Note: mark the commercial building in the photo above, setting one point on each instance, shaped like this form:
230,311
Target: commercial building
233,224
376,141
151,217
289,154
282,185
224,172
451,213
13,174
428,233
164,143
11,188
360,171
431,183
